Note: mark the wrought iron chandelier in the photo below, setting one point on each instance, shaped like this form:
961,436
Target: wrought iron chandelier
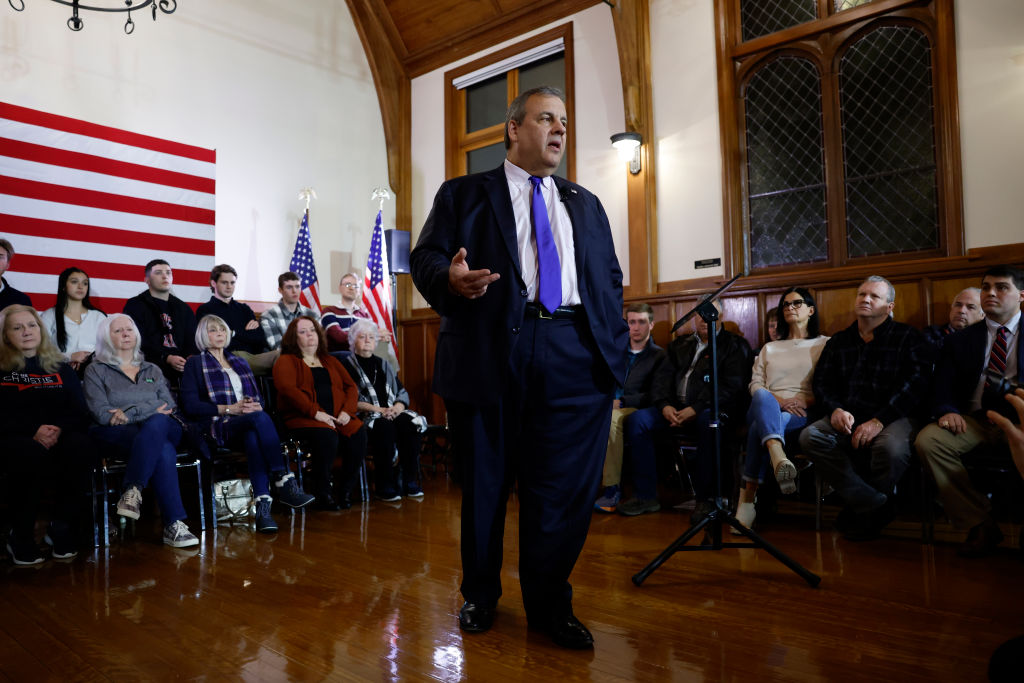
75,23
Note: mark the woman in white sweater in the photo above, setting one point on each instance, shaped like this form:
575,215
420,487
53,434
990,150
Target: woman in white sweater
780,390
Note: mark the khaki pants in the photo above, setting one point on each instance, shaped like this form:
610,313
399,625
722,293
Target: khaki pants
941,450
613,456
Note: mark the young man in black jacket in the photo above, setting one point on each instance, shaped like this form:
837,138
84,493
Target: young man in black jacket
166,323
643,357
247,339
682,399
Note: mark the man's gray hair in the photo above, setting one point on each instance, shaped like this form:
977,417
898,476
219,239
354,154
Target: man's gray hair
517,110
891,296
203,330
360,326
105,351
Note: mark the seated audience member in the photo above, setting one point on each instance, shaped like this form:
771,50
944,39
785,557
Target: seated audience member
337,319
384,408
247,339
219,390
73,322
317,399
781,397
682,399
166,324
44,419
869,383
132,405
276,319
963,312
973,366
642,360
771,326
9,295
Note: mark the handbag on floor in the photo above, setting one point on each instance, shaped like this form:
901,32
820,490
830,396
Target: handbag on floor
233,501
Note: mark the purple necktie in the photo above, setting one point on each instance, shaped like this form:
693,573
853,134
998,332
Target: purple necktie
549,269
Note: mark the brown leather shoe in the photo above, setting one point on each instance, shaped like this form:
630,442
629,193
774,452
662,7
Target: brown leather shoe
981,540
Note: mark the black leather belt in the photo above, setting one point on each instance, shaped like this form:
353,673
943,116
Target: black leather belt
535,310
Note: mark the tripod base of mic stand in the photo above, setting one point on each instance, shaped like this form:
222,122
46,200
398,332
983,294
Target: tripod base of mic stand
718,516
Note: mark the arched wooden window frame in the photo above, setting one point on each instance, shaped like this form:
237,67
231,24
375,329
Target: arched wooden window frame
825,41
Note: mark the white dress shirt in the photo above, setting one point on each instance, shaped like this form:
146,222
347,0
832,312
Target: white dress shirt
81,336
520,188
1012,326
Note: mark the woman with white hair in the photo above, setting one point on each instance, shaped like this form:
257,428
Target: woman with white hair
43,421
219,389
384,408
132,404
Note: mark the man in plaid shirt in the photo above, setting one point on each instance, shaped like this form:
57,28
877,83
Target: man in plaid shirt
275,320
870,382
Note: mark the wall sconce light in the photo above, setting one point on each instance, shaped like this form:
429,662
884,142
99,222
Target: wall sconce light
628,147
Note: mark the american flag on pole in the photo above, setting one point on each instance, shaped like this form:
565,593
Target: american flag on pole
302,265
377,286
74,193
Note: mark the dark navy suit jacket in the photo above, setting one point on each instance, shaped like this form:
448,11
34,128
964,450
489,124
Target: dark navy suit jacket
477,335
960,367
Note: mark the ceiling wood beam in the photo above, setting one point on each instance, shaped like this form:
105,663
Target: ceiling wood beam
394,94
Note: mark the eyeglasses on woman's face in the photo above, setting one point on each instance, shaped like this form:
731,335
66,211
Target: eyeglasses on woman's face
794,304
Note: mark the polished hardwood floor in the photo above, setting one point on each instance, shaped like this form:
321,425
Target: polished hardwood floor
372,594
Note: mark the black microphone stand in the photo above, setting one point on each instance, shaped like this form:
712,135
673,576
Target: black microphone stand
719,514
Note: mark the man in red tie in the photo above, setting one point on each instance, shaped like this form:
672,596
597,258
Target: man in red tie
974,364
521,266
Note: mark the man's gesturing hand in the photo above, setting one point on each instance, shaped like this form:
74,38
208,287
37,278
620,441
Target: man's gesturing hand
468,283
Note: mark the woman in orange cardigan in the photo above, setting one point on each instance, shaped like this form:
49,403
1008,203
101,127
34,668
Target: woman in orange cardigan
317,401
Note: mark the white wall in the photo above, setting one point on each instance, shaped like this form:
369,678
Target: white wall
599,114
282,91
990,63
689,153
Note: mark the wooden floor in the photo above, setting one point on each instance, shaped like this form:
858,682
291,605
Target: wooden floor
372,594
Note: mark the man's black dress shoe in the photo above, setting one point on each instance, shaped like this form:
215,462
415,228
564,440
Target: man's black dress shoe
567,631
475,618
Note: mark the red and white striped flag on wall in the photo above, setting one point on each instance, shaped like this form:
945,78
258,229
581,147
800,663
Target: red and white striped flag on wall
105,200
377,285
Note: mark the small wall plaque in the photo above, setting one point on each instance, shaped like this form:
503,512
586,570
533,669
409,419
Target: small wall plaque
707,263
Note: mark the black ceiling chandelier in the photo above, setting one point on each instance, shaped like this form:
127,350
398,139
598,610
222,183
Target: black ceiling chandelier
75,23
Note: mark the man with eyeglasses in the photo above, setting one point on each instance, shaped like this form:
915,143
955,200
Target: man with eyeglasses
337,319
870,381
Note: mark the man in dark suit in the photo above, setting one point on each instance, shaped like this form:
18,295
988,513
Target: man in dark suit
528,357
973,362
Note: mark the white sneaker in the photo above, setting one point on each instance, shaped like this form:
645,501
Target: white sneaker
785,474
177,535
130,502
745,513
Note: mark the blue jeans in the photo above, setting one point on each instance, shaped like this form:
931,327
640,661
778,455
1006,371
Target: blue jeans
151,448
258,437
765,420
641,429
